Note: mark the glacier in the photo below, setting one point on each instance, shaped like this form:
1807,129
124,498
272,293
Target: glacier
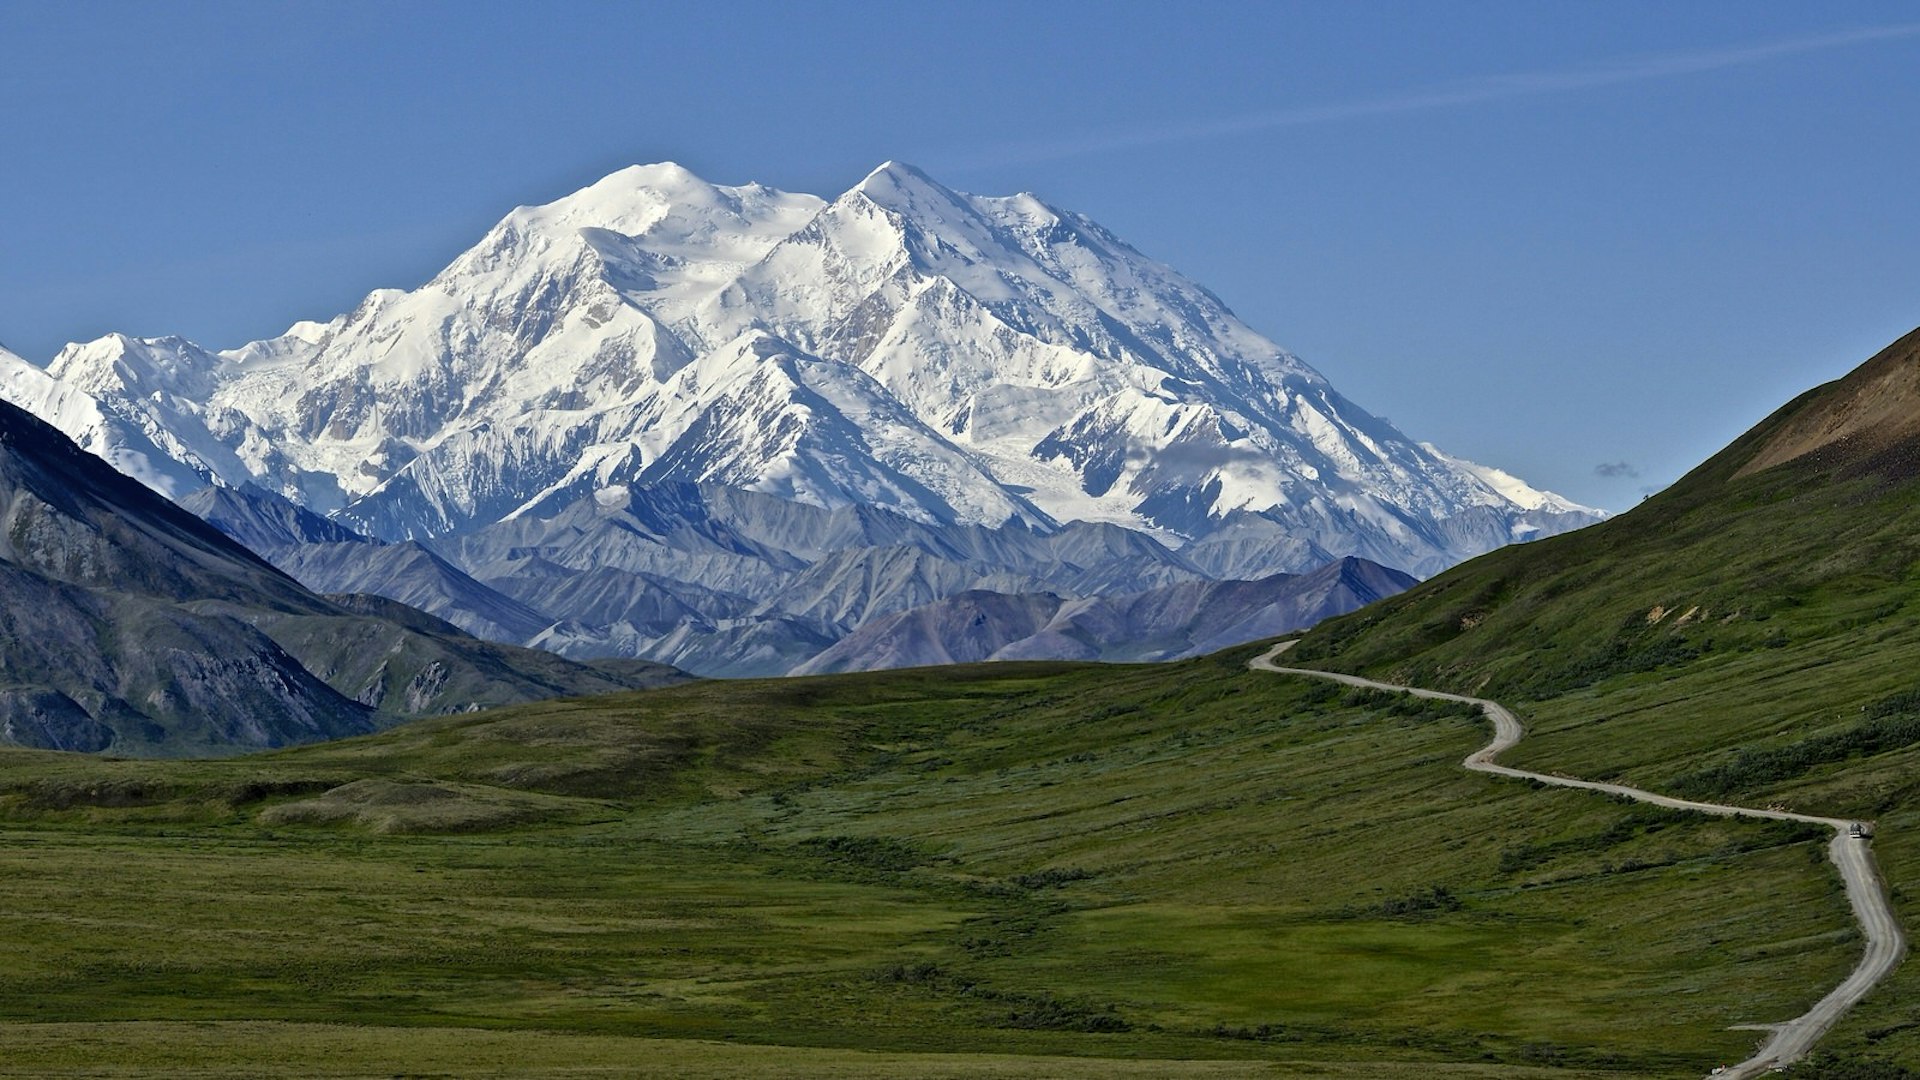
954,361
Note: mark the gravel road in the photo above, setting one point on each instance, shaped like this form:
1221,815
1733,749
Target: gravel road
1866,892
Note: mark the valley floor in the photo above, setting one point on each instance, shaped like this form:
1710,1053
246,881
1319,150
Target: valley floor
1054,870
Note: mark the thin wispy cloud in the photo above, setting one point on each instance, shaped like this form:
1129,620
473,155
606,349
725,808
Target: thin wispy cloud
1474,92
1615,469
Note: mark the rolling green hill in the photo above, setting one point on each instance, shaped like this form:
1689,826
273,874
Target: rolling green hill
1013,869
1751,634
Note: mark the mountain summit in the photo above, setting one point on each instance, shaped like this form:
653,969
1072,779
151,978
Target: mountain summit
954,359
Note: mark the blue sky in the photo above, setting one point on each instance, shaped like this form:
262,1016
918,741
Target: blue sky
1586,243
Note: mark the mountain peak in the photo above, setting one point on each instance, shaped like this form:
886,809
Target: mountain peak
664,208
960,358
145,365
626,200
891,171
659,172
897,186
666,179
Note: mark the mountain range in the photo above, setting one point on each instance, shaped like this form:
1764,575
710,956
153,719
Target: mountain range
777,472
1747,636
133,626
1034,405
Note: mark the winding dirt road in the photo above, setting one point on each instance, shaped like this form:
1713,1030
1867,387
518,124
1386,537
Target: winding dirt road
1866,892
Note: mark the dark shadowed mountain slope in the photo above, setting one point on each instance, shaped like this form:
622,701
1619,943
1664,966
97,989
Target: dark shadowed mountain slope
328,557
134,626
737,583
1172,621
414,576
69,516
261,520
108,640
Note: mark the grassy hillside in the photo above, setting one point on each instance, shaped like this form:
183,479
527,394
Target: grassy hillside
999,870
1751,635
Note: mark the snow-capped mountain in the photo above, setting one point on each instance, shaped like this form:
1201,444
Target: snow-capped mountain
127,435
953,359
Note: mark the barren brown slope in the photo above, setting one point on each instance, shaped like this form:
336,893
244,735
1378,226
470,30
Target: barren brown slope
1873,409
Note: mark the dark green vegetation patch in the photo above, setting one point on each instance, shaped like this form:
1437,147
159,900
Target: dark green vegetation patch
1893,723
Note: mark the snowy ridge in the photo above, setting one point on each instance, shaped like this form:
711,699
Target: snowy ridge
956,360
130,440
1509,486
